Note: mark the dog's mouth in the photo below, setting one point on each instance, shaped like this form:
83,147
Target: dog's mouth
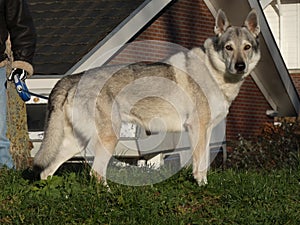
235,77
240,72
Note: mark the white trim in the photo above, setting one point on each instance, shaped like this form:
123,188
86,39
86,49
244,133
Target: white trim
280,24
265,3
292,71
105,49
211,8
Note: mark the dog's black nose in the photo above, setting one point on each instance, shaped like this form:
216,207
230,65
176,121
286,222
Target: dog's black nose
240,66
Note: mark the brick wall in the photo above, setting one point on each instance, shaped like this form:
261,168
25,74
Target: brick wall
296,80
247,114
188,23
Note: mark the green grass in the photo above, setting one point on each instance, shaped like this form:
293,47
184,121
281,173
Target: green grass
231,197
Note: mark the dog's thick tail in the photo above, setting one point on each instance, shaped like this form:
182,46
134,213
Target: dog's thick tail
55,122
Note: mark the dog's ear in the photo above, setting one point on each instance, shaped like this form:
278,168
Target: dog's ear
252,23
222,23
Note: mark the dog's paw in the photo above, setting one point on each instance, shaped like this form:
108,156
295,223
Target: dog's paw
201,178
44,175
202,182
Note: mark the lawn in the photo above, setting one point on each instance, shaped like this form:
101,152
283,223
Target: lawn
231,197
261,185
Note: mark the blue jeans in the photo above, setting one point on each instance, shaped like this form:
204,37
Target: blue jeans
5,156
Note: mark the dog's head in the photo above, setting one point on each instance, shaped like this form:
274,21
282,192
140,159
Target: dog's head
235,50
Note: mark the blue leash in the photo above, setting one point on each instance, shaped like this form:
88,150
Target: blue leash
23,91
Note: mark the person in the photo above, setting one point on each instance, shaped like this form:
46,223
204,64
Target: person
16,24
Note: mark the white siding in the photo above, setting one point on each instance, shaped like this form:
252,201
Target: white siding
291,35
288,36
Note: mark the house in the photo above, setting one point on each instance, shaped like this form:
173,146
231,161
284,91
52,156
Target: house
77,35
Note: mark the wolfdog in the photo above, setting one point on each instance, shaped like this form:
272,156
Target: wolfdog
189,91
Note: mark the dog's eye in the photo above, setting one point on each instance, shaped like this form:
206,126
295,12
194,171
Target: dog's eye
228,48
247,47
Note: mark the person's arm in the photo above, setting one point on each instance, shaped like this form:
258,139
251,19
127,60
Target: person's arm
22,34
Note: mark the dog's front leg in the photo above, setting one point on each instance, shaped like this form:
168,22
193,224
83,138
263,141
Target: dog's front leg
67,150
199,139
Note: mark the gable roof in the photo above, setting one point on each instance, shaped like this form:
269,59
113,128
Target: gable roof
68,29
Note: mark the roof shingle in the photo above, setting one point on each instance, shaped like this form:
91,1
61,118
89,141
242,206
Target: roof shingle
68,29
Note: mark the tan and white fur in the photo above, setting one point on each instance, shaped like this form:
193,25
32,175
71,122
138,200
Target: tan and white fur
189,91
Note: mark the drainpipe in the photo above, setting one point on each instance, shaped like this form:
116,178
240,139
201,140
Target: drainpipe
280,24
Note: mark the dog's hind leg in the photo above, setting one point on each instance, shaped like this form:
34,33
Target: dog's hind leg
104,141
103,151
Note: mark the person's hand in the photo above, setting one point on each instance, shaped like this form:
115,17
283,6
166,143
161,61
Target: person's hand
22,74
18,76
